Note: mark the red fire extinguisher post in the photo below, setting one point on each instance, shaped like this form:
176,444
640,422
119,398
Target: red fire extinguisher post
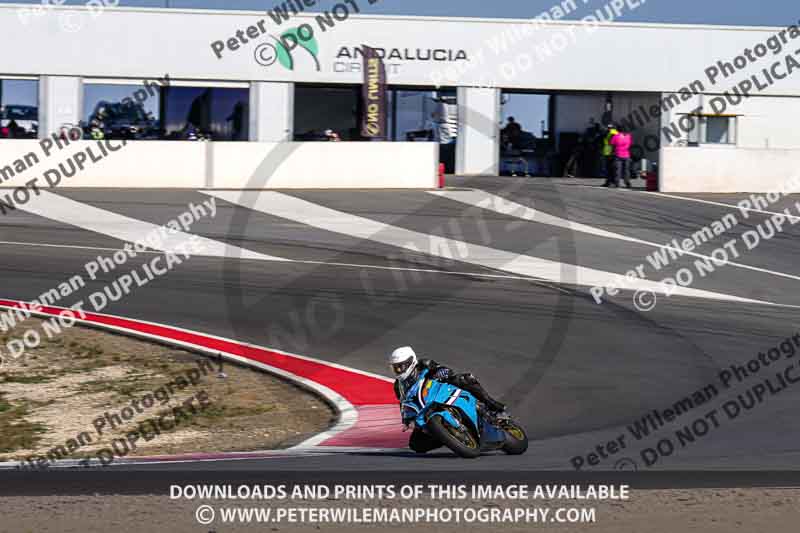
441,175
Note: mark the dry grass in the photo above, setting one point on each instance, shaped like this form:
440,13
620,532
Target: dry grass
57,390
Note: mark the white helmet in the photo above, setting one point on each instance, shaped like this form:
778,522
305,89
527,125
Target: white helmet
403,361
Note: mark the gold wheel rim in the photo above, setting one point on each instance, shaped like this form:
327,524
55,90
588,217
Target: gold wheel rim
464,437
515,432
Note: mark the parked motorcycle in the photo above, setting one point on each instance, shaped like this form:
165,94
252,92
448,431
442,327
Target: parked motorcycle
454,417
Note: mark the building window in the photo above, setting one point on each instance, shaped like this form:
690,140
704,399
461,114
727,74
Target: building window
19,109
526,143
719,130
153,111
112,111
711,129
423,116
212,113
320,111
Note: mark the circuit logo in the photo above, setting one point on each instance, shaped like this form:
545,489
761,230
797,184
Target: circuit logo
282,50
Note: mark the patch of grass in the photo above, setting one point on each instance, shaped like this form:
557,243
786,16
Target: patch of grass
93,387
40,403
17,433
87,364
217,411
27,379
126,389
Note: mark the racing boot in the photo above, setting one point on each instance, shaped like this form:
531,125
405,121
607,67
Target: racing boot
497,410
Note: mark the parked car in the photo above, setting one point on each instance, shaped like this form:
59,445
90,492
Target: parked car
124,120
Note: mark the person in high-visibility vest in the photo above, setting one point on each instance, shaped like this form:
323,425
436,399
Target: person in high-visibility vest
96,130
608,154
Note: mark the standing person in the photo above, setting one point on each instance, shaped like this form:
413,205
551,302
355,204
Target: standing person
512,132
608,155
573,166
592,161
622,142
434,126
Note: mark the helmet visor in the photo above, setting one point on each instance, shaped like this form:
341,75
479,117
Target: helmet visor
399,368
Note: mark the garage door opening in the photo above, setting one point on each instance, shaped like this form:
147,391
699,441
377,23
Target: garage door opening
580,126
325,113
563,132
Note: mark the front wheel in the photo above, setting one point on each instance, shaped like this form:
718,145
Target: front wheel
516,439
460,440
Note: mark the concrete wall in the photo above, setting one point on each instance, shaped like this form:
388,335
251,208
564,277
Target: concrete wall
234,165
725,169
362,165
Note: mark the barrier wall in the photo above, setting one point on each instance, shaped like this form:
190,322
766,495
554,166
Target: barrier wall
222,165
727,169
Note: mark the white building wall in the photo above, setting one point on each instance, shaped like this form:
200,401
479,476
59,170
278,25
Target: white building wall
478,126
137,43
271,111
60,103
142,43
763,122
713,169
769,122
766,154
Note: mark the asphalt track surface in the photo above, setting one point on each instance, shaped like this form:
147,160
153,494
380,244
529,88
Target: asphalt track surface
575,373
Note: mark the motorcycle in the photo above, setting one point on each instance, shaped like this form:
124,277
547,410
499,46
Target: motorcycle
453,416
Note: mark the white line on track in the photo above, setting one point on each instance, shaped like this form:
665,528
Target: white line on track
733,206
296,261
498,204
127,229
68,246
298,210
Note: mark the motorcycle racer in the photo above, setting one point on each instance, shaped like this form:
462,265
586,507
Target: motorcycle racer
406,367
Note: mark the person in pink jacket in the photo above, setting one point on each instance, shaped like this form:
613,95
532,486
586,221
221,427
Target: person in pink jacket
621,142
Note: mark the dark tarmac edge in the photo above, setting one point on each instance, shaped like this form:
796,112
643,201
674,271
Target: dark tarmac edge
136,482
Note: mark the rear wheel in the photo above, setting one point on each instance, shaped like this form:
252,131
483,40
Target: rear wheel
516,439
461,440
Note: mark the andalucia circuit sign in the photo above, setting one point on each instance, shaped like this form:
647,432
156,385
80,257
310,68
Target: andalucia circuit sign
349,58
407,54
